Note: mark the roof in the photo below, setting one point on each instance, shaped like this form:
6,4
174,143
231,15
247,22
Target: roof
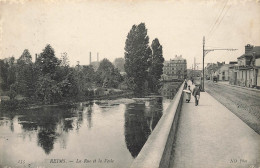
255,50
178,58
232,62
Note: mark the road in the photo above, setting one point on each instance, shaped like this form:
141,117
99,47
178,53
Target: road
242,102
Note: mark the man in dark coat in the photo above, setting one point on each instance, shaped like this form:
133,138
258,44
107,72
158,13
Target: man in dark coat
196,94
185,84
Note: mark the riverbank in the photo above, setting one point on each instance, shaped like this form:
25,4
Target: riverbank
26,103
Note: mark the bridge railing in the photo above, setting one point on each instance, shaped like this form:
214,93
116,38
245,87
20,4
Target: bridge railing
156,152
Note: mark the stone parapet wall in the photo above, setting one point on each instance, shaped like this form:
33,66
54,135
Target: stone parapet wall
157,150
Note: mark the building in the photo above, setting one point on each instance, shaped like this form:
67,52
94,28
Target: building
211,70
231,71
193,73
175,69
233,74
247,71
223,72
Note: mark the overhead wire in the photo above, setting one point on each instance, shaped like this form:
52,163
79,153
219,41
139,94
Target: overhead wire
217,20
216,24
220,22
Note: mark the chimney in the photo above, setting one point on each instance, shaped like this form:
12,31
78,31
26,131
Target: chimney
89,58
194,63
97,57
248,48
35,57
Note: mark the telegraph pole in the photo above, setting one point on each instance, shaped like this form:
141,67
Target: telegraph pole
205,52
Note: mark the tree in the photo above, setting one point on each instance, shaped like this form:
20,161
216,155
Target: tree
89,73
84,78
4,75
25,58
137,54
47,62
119,64
25,82
156,68
107,75
64,60
50,80
11,74
48,89
115,78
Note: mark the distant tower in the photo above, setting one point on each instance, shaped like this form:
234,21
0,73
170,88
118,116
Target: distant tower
36,57
89,58
97,57
194,63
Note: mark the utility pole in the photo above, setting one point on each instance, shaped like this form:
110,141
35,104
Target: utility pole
203,64
205,52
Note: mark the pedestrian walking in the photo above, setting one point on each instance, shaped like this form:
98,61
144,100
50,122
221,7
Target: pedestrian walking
196,94
185,84
188,94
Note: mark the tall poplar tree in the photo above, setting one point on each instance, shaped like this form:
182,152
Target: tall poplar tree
137,54
156,68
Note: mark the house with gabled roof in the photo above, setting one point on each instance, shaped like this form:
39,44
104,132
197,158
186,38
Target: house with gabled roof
248,73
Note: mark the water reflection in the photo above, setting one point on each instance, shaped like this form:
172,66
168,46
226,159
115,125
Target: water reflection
140,120
89,116
48,123
169,89
46,138
90,130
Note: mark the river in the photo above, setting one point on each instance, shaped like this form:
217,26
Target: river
90,134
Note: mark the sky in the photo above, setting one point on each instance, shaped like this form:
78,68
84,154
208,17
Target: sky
79,27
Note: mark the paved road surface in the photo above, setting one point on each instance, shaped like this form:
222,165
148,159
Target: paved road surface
242,102
211,136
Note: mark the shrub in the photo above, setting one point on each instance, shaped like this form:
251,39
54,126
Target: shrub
10,105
